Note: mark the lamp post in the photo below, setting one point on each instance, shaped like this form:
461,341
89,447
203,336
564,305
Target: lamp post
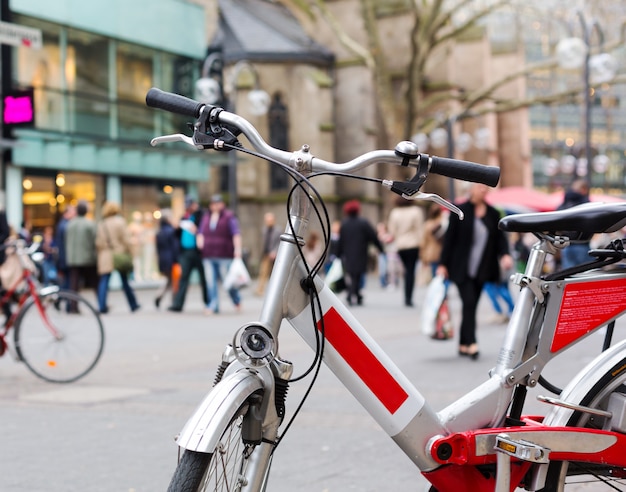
444,137
574,53
258,104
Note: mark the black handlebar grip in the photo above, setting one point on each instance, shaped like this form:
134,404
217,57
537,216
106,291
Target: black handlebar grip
466,171
174,103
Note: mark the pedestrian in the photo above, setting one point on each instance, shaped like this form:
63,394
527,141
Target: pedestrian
113,237
221,242
578,250
335,226
406,225
499,290
313,249
80,249
474,250
355,236
389,266
189,255
270,241
520,250
5,233
167,246
63,271
49,249
434,230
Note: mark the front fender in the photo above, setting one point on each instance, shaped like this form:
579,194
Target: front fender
205,427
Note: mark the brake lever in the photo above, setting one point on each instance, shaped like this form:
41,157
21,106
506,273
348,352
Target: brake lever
437,199
176,137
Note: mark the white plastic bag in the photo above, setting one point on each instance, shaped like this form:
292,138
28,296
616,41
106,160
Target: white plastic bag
335,272
237,275
435,295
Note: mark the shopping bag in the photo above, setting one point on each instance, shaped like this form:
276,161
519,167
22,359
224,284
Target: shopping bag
435,296
237,275
443,323
10,271
334,277
123,262
176,273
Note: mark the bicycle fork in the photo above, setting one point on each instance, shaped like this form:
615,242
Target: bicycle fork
264,389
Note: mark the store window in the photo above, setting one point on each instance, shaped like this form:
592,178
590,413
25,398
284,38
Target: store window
77,97
134,79
47,194
41,69
87,79
142,202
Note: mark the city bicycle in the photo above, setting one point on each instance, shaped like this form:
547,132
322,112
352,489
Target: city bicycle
483,441
57,333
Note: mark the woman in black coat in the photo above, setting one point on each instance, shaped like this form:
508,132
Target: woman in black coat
355,236
474,249
167,251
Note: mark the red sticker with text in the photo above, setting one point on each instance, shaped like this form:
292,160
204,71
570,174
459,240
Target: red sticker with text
586,306
362,361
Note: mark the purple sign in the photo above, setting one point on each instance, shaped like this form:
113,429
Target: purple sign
19,108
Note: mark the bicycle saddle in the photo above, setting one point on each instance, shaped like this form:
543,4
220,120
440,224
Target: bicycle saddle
586,219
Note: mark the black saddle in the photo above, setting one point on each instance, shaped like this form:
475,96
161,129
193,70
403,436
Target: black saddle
586,219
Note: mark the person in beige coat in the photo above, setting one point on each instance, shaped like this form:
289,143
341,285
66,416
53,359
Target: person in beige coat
406,225
112,236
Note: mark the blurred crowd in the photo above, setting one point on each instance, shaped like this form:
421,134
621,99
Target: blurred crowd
414,244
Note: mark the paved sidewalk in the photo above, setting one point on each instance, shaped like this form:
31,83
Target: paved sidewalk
114,430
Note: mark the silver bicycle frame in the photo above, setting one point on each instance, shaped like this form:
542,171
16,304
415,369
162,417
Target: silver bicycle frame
377,383
359,362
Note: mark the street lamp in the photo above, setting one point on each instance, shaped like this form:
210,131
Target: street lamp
574,53
258,104
444,137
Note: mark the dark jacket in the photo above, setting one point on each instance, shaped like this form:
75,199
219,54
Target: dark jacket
573,198
167,245
457,245
355,235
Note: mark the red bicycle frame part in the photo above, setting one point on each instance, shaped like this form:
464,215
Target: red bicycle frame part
463,452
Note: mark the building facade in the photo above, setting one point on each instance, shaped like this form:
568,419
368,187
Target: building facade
91,131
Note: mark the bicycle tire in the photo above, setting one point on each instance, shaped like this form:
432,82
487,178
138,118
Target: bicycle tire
563,476
223,470
77,349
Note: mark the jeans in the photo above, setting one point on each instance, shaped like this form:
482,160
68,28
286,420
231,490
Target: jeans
575,254
496,290
103,289
215,270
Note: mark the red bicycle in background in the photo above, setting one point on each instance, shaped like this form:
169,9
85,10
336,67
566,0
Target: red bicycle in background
57,333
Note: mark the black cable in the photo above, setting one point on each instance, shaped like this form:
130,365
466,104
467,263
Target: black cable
305,185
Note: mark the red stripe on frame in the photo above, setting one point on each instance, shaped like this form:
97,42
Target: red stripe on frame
362,361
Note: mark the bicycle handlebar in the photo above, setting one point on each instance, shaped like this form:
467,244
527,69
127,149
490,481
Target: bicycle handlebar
452,168
174,103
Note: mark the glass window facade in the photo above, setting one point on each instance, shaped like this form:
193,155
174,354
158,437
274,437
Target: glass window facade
89,94
91,85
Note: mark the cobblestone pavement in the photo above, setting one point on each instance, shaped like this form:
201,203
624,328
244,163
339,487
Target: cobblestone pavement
114,430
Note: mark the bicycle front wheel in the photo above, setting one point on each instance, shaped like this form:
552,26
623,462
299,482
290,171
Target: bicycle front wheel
575,476
224,470
59,336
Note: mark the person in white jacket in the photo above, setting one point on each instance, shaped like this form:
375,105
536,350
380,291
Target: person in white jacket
406,225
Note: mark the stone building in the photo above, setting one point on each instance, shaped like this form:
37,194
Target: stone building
330,99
